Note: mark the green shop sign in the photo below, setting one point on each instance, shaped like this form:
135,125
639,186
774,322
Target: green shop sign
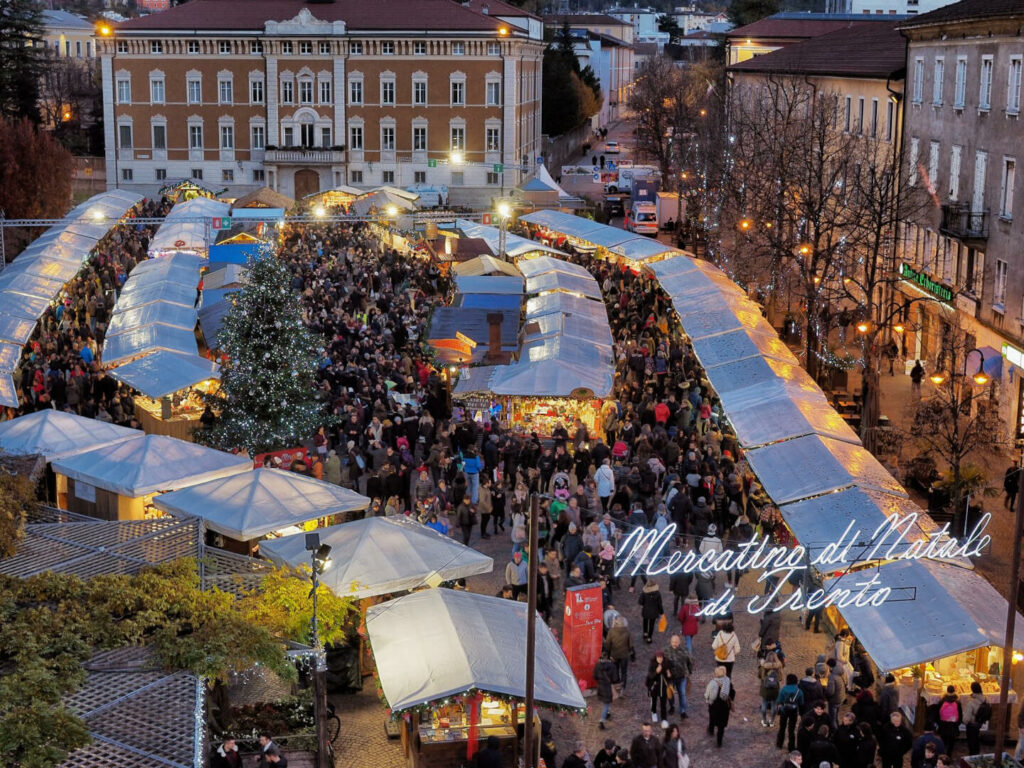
921,280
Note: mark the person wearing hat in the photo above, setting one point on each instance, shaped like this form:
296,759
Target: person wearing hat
332,468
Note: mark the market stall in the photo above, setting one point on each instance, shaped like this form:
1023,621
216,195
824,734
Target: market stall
58,434
516,246
118,482
382,556
603,240
450,702
485,265
171,389
563,282
243,508
188,228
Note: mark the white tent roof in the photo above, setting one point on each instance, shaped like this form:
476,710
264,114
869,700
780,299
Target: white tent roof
32,285
151,464
505,285
381,199
141,293
537,265
785,417
567,326
484,648
22,305
515,245
564,282
163,372
187,227
544,177
57,435
252,504
551,378
381,555
10,356
229,274
8,391
180,268
485,265
163,312
740,345
566,304
148,338
16,329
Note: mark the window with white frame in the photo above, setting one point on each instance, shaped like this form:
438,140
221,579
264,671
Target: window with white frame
306,48
387,48
492,178
258,136
1013,86
980,177
493,93
287,92
355,177
419,92
493,49
156,89
325,136
419,48
890,115
387,90
122,46
419,138
458,49
985,89
195,90
915,151
355,90
355,47
458,92
960,83
288,136
918,86
256,91
228,174
387,138
387,177
848,122
193,46
492,139
156,46
874,118
355,137
939,74
259,175
196,173
124,90
326,92
458,137
999,290
225,90
954,172
159,136
419,177
255,46
160,174
286,47
933,162
227,137
1006,188
127,174
306,91
224,47
124,136
325,48
195,137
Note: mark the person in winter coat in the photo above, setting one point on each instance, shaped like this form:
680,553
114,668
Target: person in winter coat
867,747
847,738
674,755
771,621
770,672
894,741
726,647
688,622
888,699
659,680
680,665
332,468
719,696
645,750
606,674
619,645
866,709
950,716
835,692
793,760
465,519
928,737
812,689
789,702
571,544
545,591
679,584
226,755
517,574
651,608
821,749
970,708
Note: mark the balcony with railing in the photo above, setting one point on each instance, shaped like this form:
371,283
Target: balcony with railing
959,221
304,156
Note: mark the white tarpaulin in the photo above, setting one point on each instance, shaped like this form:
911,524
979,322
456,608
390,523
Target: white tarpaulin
140,294
20,305
180,268
32,285
497,284
381,555
785,417
440,642
809,466
8,391
551,378
57,435
10,356
16,329
643,248
515,245
754,380
538,265
250,505
741,344
935,610
547,282
565,304
148,338
187,227
567,326
162,312
151,464
163,373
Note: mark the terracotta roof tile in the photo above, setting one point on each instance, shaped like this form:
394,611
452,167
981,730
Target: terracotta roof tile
875,50
498,8
967,10
585,19
786,26
239,15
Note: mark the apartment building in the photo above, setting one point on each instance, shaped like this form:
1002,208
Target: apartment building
308,96
68,35
962,142
886,7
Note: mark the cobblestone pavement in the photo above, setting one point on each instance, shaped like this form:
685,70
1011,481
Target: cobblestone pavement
363,743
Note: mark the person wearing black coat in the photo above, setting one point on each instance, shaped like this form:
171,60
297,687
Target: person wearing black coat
821,748
651,608
894,741
489,756
866,709
866,747
846,739
606,674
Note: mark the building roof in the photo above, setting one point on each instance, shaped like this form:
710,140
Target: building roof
967,10
584,20
65,20
497,8
874,51
232,15
645,49
801,26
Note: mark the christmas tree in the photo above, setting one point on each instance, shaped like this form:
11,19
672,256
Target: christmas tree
268,398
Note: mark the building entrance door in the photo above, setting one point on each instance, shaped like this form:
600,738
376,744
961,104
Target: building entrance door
307,182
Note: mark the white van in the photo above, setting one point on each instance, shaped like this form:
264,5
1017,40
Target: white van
642,218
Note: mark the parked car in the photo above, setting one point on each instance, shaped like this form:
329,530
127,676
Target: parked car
612,148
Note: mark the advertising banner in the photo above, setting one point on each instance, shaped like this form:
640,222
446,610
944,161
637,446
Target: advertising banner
581,634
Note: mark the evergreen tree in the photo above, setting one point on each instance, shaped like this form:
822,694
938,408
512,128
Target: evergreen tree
268,398
743,12
21,58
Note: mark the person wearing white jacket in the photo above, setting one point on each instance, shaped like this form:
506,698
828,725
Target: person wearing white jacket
726,647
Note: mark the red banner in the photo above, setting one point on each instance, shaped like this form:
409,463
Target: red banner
581,631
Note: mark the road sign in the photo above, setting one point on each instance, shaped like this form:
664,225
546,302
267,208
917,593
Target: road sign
431,163
485,219
221,222
499,168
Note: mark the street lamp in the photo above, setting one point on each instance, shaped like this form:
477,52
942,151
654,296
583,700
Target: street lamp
504,211
319,211
320,554
863,327
456,157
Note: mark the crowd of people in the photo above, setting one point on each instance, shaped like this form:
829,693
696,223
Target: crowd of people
60,366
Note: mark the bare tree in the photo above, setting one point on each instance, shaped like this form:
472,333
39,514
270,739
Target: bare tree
69,94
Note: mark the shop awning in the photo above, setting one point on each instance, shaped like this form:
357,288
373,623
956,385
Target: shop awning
485,265
741,344
16,330
484,642
148,338
564,223
57,434
174,293
31,285
783,418
643,248
187,228
501,285
566,304
162,312
567,326
250,505
809,466
151,464
20,305
515,245
381,555
755,379
563,349
8,391
163,373
565,283
935,610
537,265
552,378
677,265
10,356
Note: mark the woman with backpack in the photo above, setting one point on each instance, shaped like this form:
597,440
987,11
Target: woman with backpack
719,696
726,647
789,702
950,717
770,671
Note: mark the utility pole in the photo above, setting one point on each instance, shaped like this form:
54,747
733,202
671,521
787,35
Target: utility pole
320,554
529,750
1011,620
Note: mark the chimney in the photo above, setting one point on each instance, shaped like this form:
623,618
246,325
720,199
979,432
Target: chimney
494,352
484,9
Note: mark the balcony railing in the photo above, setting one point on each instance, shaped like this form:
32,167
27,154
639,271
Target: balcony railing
959,221
304,156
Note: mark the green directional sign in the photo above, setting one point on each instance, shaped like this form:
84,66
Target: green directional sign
431,163
499,168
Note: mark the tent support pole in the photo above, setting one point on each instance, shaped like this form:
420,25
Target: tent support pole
1011,620
531,634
